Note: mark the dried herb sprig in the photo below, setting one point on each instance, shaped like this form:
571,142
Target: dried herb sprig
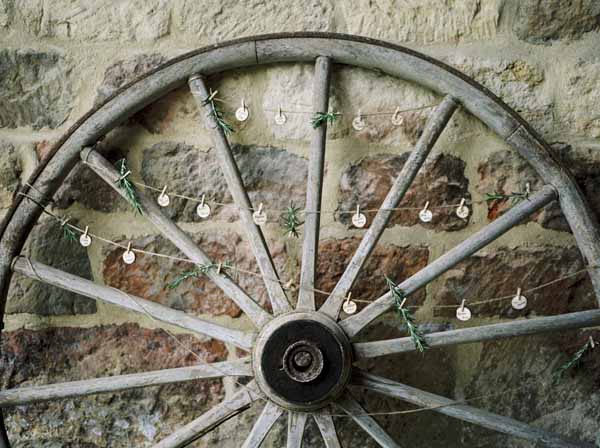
127,186
290,221
201,269
68,233
574,361
514,197
409,320
321,117
217,114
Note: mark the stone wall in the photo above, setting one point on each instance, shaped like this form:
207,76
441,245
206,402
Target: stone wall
59,58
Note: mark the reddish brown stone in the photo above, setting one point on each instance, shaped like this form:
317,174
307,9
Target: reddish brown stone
393,261
441,181
501,272
506,172
131,418
149,277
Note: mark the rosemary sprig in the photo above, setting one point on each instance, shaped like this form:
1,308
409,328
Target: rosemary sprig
514,197
217,113
126,185
68,234
290,221
409,320
201,269
573,362
320,117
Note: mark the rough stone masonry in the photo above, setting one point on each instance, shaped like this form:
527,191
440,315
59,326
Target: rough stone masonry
59,57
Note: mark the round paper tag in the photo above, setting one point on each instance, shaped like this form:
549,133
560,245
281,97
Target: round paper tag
163,200
359,220
519,302
349,307
463,313
425,215
259,218
129,257
85,240
203,210
280,119
242,114
462,212
397,119
358,123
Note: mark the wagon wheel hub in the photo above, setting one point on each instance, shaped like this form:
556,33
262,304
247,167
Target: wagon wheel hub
302,360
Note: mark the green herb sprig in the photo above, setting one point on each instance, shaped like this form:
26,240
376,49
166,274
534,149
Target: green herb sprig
574,361
290,221
515,196
321,117
68,233
202,269
413,329
127,186
217,114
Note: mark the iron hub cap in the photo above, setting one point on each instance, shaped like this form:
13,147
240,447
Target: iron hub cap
302,360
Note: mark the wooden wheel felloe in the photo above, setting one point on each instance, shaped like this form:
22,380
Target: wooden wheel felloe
324,346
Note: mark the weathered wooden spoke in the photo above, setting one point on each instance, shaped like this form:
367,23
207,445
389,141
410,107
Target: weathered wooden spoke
211,419
468,247
433,129
463,412
296,426
312,219
27,395
327,429
525,327
179,238
293,347
279,301
270,414
353,408
114,296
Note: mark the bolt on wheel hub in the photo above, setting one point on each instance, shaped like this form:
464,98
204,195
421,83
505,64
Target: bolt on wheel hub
302,360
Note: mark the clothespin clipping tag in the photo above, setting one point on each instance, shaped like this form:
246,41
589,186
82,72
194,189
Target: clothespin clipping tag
519,301
349,306
358,123
242,113
397,118
129,255
163,198
592,343
124,176
203,210
219,266
359,220
462,211
280,118
463,313
85,240
259,216
425,215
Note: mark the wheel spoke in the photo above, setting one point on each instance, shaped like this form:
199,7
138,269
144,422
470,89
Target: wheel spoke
263,425
524,327
296,425
353,408
467,413
433,129
211,419
353,325
314,189
26,395
179,238
279,301
114,296
327,430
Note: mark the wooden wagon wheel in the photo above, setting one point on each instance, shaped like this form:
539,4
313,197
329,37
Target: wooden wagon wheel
315,345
